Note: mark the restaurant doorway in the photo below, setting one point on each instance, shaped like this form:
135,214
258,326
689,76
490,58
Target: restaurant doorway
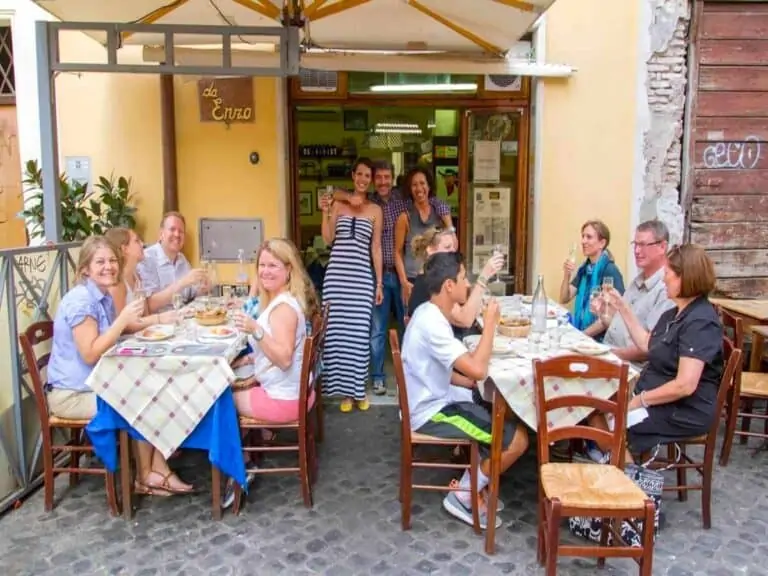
473,144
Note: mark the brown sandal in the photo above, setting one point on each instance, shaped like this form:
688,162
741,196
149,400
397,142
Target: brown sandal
165,485
144,490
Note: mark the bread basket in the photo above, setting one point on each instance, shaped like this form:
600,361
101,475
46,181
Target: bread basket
514,327
211,317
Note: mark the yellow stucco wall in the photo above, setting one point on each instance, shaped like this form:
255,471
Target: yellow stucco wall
588,127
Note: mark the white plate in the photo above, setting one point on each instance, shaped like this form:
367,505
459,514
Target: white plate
155,333
501,344
590,348
218,332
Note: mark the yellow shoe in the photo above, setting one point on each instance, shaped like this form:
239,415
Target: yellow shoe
346,405
363,404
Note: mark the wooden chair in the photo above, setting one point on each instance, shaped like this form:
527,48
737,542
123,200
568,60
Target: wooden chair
78,445
305,447
320,326
749,388
409,440
594,490
704,466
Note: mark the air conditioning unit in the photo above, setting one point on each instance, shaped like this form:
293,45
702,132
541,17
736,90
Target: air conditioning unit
503,83
318,80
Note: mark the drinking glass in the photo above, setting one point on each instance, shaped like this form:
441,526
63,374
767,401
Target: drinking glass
177,301
572,254
498,250
607,283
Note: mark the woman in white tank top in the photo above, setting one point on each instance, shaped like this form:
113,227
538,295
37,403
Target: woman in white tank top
287,298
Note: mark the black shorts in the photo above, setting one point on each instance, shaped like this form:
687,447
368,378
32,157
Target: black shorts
467,421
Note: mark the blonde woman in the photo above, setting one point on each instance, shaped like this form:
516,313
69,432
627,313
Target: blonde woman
85,327
286,300
130,250
434,241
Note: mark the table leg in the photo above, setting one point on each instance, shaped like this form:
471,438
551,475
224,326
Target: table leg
756,357
497,433
215,492
125,474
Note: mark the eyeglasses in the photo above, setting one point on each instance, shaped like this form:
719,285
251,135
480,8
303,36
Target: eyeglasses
644,245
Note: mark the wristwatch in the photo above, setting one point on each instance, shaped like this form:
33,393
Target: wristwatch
258,333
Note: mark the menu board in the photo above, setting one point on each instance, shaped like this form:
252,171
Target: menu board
490,225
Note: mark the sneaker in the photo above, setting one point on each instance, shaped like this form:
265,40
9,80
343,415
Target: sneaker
379,388
229,491
457,509
483,497
363,404
597,455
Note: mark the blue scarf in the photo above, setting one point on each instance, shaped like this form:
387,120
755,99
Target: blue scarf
590,276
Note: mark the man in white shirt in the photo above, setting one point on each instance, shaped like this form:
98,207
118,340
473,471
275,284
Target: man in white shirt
646,294
431,358
165,270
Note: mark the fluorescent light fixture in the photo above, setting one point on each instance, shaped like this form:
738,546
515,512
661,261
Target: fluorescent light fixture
469,87
378,130
397,125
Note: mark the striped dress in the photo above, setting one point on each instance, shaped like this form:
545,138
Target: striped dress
348,287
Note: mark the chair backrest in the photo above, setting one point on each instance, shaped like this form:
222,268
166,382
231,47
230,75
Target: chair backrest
402,393
307,378
733,324
569,368
729,386
35,334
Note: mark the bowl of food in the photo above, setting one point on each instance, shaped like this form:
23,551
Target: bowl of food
514,326
211,316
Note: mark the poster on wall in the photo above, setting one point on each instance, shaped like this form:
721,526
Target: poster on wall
447,180
490,225
486,162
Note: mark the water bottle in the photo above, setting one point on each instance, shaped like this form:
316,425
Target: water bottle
539,308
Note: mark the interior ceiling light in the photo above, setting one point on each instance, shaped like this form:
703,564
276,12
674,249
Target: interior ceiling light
378,130
395,125
468,87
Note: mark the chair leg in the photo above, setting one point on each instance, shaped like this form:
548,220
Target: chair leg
646,561
126,484
553,536
730,430
319,412
215,492
474,465
603,540
110,480
541,548
406,488
74,457
682,480
48,477
706,491
306,489
746,421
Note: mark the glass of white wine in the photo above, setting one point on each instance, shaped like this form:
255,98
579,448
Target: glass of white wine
177,301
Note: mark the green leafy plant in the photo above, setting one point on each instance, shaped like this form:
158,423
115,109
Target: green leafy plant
83,213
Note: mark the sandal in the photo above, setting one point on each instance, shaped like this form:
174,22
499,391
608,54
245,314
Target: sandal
165,484
346,405
144,490
363,404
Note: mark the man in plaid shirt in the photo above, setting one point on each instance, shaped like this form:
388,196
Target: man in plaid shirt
392,205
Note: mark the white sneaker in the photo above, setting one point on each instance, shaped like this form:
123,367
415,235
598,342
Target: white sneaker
229,491
456,508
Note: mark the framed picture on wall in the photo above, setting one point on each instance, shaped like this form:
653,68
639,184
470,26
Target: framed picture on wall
356,120
306,204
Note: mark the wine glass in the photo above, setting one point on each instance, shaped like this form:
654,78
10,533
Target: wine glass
572,254
177,301
498,250
140,293
607,287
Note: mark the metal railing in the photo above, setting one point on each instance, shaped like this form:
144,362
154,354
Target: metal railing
32,281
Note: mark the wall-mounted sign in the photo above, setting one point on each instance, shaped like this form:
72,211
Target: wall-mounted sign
227,100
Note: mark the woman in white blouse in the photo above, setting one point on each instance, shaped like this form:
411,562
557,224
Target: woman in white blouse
286,300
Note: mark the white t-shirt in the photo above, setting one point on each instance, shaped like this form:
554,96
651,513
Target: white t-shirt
429,352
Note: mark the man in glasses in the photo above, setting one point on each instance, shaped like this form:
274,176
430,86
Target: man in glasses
646,294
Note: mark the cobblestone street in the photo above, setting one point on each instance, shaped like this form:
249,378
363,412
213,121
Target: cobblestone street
354,527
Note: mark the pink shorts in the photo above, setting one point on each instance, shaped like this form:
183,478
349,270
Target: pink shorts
263,407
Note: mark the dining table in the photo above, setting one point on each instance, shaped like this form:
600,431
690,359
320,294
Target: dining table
510,385
169,386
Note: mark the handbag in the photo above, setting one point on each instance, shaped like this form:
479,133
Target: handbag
652,483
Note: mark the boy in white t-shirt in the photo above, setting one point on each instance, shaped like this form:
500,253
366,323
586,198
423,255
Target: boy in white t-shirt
431,359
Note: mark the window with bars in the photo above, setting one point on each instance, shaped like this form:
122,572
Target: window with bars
7,80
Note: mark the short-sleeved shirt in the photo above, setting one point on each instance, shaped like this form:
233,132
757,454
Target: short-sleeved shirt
420,295
696,332
429,353
648,300
157,271
66,368
392,208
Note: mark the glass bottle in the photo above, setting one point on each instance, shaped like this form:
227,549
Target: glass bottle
539,308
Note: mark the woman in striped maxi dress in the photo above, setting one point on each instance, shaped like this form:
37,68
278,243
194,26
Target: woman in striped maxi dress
352,285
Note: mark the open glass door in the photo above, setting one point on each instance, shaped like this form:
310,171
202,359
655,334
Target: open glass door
493,158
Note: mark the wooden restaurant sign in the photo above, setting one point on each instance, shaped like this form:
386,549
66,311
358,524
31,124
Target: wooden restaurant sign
227,100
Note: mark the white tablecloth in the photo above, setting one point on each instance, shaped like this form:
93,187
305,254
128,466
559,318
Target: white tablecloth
164,396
